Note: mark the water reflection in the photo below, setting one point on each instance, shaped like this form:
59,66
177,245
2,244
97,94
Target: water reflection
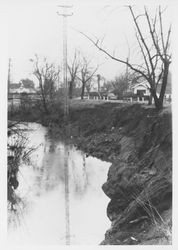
42,188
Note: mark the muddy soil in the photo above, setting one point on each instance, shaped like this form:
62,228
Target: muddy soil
138,142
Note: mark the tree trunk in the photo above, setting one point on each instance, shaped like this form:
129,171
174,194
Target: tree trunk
159,100
83,89
158,104
70,89
164,82
44,104
51,94
43,98
150,100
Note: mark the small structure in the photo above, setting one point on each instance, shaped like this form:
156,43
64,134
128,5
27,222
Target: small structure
93,95
14,88
21,94
141,88
18,88
111,96
141,91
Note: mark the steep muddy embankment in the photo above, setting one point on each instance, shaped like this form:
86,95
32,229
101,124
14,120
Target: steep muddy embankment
138,142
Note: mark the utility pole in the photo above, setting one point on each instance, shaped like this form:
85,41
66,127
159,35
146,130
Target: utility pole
127,67
9,76
127,60
66,112
65,15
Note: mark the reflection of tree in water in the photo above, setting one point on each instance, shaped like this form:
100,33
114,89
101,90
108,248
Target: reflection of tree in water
52,146
51,177
18,153
80,176
16,214
85,175
48,174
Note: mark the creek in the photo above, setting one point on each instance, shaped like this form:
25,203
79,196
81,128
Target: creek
41,213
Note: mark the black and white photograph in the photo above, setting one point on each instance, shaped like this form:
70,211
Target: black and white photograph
89,149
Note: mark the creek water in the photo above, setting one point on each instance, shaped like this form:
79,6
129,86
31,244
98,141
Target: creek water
41,212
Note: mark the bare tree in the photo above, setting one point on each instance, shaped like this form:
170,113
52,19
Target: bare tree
107,86
120,85
27,83
155,51
47,76
73,68
86,74
99,84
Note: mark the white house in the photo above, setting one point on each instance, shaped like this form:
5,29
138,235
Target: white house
141,88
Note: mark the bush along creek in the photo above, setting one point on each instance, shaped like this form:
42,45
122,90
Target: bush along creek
18,153
138,142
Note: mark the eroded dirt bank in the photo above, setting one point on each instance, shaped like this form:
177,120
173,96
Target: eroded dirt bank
138,142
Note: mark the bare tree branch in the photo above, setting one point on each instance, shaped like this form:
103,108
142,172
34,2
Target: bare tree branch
144,56
114,58
161,28
155,56
142,39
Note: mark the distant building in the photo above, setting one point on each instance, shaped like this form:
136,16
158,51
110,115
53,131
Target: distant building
18,88
140,89
14,88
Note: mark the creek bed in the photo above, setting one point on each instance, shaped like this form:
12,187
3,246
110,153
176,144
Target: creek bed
41,215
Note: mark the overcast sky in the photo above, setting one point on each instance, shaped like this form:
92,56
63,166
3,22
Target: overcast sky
35,27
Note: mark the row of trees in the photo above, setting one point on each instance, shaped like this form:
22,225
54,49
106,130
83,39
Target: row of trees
80,72
81,69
